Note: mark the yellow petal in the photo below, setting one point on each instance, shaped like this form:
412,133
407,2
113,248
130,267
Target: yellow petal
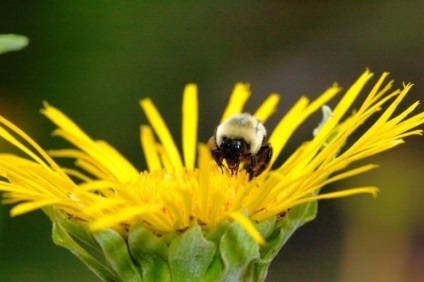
120,216
148,144
31,206
204,181
285,128
189,129
99,153
267,108
238,98
30,141
162,132
248,226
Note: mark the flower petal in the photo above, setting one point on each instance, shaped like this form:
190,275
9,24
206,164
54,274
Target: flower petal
238,98
204,181
248,226
189,130
295,117
31,206
267,108
99,153
162,132
149,148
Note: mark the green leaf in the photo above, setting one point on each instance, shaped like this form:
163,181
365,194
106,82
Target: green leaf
238,249
116,253
12,42
190,255
150,252
62,238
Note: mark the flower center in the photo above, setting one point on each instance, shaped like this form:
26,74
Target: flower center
167,201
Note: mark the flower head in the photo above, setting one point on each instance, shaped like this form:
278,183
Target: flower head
174,194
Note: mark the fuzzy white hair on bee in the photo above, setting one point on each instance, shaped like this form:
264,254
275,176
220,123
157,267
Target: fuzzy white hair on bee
241,138
242,126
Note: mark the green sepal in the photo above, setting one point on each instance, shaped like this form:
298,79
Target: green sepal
227,253
216,268
77,228
238,249
116,253
266,227
310,213
295,218
169,237
150,252
190,255
62,238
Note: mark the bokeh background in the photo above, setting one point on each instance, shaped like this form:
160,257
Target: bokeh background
95,59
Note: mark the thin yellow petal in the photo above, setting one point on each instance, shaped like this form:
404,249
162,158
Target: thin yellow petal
237,101
204,181
31,142
248,226
159,220
121,216
159,126
175,211
164,158
321,100
148,144
339,194
189,129
283,206
122,165
350,96
31,206
315,182
90,168
329,126
62,121
267,108
34,177
101,153
103,186
340,110
70,153
375,93
286,127
77,174
104,205
12,140
393,106
295,117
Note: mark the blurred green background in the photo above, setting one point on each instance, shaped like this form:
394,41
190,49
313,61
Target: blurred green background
95,59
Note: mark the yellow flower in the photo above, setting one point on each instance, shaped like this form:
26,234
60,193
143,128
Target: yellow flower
174,194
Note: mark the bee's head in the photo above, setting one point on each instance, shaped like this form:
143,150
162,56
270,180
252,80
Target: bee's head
233,150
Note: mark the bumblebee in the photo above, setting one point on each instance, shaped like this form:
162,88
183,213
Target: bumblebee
241,138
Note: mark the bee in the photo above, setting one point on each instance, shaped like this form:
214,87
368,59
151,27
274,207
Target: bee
241,138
